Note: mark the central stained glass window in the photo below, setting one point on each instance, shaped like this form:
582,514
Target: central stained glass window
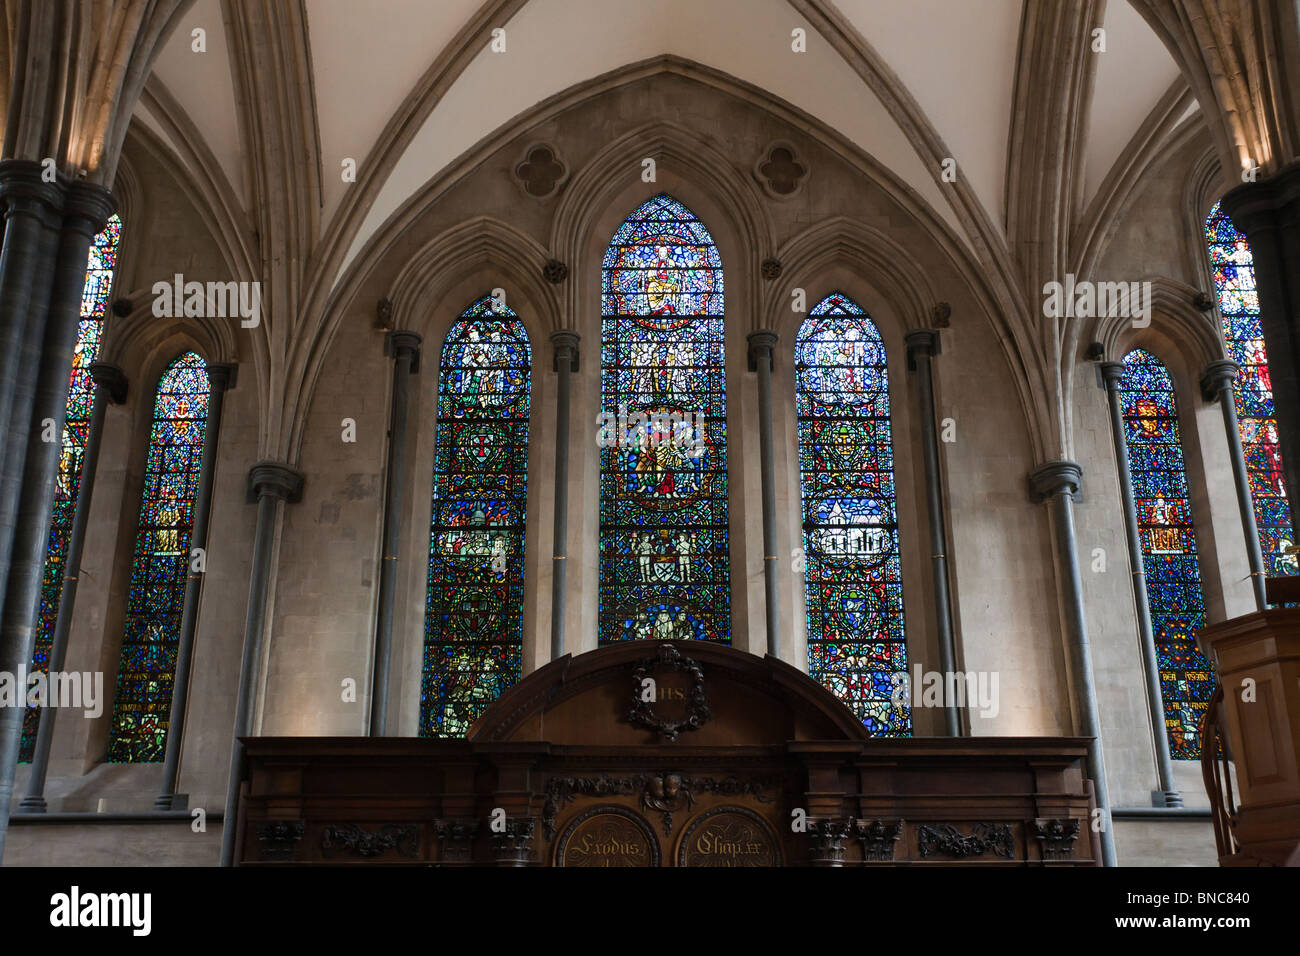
142,708
1164,517
1234,280
474,628
853,576
100,265
663,482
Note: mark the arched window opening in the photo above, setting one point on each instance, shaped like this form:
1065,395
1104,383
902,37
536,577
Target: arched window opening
663,496
474,626
1234,280
100,266
1169,559
156,595
852,570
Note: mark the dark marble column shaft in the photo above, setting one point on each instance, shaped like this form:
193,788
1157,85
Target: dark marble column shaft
565,344
761,346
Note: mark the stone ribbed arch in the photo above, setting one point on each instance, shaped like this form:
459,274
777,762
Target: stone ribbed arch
134,341
1175,319
1242,58
592,190
886,265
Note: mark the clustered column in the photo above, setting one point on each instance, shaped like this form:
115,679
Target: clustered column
1217,385
404,347
110,386
49,228
268,483
761,344
565,343
1058,483
1167,795
922,346
221,378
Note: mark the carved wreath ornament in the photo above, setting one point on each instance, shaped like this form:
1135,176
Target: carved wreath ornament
647,692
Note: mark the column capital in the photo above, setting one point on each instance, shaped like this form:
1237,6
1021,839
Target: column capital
564,344
222,376
921,342
111,378
404,345
1055,478
761,344
1111,373
23,189
1252,205
1218,376
274,478
89,205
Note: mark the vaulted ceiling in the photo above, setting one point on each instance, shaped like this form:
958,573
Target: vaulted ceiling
951,63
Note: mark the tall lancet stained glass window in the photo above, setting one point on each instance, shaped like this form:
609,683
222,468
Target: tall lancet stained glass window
156,595
81,397
474,628
663,484
853,577
1164,516
1234,279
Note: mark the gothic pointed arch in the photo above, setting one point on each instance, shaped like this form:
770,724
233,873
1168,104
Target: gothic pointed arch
664,547
474,629
852,566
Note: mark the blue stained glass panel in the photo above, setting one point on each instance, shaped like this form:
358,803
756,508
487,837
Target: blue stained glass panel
852,574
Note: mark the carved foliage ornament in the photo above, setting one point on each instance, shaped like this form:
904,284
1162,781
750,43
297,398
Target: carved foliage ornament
945,839
673,708
279,838
1057,837
404,838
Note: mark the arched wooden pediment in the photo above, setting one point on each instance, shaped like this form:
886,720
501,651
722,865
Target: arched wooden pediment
597,699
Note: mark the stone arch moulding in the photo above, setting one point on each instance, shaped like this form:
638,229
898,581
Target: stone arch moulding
1174,316
592,191
131,340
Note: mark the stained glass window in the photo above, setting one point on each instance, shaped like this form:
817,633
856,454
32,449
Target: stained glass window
1164,516
853,577
474,628
663,484
81,397
1234,278
142,708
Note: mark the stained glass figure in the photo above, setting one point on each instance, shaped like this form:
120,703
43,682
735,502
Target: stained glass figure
852,573
1234,278
474,628
142,708
663,485
1164,516
100,266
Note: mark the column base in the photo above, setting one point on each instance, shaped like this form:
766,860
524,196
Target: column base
1166,798
31,804
172,801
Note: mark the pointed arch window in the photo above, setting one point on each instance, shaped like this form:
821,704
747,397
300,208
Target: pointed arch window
852,571
100,267
663,494
474,627
1169,558
156,595
1234,281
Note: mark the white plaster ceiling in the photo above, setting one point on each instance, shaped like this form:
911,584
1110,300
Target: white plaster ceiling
202,84
956,58
1134,72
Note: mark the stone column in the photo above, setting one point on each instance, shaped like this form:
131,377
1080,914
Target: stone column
86,209
1167,795
33,214
922,346
761,344
1058,483
404,347
220,379
268,482
110,386
565,343
1216,385
1268,212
